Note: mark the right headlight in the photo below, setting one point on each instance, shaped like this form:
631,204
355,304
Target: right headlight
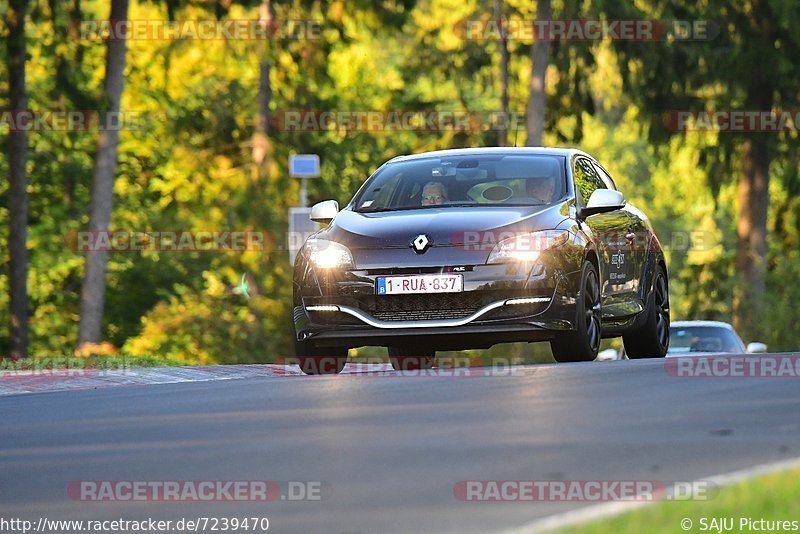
527,247
328,254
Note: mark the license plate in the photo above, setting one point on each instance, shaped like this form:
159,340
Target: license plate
419,283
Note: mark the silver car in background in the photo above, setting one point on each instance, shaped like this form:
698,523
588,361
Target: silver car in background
695,338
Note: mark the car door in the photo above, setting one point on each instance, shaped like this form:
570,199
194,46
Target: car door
631,256
608,230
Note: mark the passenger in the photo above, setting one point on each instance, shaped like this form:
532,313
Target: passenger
542,189
433,194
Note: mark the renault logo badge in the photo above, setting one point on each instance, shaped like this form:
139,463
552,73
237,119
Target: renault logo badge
420,243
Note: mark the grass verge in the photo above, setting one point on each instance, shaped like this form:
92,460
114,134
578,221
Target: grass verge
772,498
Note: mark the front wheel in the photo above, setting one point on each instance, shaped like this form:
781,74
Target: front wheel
652,339
320,360
582,344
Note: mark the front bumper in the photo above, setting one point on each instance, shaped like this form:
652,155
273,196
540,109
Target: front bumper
500,303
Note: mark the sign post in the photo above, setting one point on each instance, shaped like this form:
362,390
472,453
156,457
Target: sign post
304,166
301,166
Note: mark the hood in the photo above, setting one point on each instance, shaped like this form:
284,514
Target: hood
443,226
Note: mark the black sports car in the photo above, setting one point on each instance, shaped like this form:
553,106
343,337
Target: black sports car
460,249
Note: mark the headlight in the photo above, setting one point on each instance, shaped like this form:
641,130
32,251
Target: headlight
527,247
328,254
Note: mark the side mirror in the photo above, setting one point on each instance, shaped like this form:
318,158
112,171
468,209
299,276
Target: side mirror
756,347
603,201
324,212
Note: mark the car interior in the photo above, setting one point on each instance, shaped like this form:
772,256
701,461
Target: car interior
493,180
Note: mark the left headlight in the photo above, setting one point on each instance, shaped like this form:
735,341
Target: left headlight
527,247
328,254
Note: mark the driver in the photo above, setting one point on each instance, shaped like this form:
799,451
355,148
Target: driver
433,194
541,189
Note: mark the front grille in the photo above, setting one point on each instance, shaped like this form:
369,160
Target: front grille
424,307
434,306
424,315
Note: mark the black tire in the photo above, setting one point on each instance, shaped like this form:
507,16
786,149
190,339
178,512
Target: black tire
582,344
651,340
320,360
409,359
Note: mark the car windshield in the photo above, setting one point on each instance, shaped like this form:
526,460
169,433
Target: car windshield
473,180
703,339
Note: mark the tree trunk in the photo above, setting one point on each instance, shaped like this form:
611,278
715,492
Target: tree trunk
18,183
261,148
94,283
751,246
502,131
537,99
264,96
751,230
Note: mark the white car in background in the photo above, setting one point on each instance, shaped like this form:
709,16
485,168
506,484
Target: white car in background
690,338
695,338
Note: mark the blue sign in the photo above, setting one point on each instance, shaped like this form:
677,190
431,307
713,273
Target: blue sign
304,165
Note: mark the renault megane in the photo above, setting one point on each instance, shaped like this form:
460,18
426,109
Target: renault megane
461,249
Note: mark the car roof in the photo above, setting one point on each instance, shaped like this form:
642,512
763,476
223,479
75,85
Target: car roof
718,324
531,150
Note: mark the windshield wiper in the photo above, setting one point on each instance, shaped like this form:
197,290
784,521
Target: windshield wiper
381,210
484,204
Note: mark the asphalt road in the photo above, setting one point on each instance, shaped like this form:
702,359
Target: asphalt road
389,448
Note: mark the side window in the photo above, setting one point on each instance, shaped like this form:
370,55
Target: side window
605,177
586,179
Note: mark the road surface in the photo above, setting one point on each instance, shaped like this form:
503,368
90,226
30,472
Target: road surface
389,449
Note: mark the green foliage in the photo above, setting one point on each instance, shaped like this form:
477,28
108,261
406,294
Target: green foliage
189,164
213,328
